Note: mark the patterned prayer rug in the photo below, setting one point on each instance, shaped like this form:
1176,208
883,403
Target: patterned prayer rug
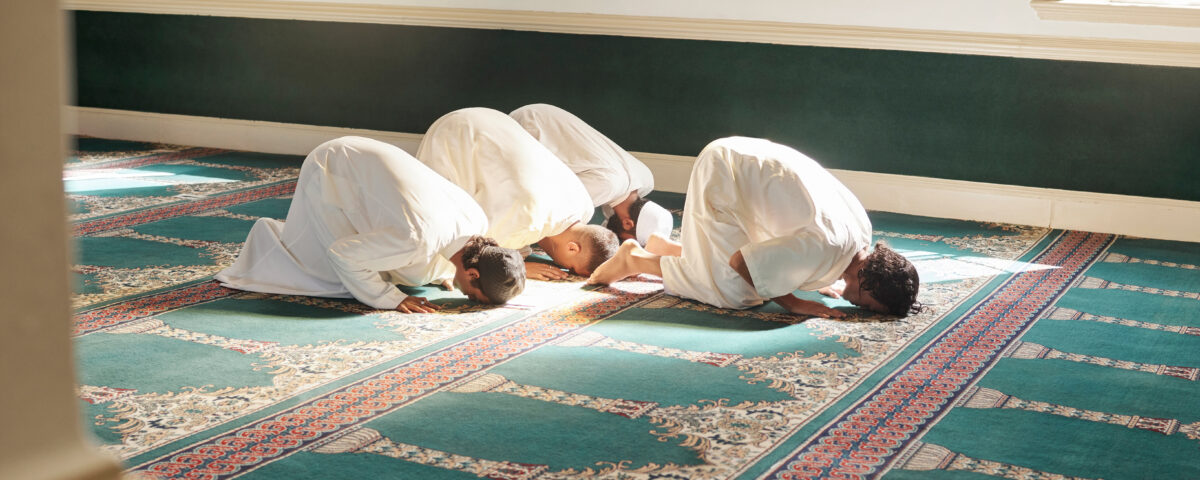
1041,354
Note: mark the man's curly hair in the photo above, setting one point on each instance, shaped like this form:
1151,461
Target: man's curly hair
892,280
501,270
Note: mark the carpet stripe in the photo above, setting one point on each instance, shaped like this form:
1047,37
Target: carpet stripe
185,208
875,429
184,154
89,321
290,431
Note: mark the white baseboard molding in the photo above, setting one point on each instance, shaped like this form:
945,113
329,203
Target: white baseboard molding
1096,212
1066,209
251,135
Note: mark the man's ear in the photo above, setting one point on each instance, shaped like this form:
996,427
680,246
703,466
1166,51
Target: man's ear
573,248
473,273
627,224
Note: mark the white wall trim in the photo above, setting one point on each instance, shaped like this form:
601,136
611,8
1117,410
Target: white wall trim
1073,210
250,135
1107,11
1009,45
1096,212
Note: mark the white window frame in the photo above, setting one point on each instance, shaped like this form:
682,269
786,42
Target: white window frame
1148,12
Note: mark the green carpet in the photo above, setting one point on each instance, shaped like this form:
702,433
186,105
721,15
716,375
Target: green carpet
1042,354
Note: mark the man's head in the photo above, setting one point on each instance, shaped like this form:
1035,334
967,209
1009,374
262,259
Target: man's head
623,221
581,248
488,273
637,218
886,283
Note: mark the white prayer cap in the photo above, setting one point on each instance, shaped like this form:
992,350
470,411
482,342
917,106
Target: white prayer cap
653,219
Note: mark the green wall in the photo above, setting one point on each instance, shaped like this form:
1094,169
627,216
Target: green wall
1110,128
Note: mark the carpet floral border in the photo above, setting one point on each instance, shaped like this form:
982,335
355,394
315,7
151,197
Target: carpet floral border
287,432
861,440
184,208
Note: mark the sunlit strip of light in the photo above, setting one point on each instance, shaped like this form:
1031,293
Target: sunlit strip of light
110,173
940,267
117,179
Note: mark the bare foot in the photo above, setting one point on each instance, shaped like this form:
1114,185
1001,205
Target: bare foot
658,245
619,267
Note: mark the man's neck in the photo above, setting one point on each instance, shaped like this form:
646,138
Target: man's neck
456,259
559,238
623,207
856,264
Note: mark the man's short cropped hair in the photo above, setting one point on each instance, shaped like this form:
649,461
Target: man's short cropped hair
599,243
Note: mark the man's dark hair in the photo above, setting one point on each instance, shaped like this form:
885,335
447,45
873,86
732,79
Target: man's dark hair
600,242
892,280
635,209
501,270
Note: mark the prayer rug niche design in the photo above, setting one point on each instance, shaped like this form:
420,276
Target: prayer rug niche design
1041,354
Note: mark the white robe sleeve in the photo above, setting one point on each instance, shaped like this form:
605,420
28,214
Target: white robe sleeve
782,265
359,259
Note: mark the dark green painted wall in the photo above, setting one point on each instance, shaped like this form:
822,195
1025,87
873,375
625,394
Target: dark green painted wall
1097,127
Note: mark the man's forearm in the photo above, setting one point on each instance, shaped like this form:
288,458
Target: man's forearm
789,302
799,306
738,263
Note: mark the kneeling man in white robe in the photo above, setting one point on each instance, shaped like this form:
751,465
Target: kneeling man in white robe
762,220
617,181
366,215
528,194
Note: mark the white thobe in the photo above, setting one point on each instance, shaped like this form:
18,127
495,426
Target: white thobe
365,216
796,225
525,191
607,171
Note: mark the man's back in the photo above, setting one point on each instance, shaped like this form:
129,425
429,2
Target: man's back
526,192
796,226
607,171
779,191
362,209
359,185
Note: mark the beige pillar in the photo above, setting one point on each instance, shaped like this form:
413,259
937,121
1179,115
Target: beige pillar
41,434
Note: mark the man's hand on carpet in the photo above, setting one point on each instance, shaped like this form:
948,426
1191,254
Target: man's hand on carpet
831,291
835,290
417,305
542,271
808,308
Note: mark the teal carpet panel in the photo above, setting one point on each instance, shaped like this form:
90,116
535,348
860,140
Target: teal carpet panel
1041,354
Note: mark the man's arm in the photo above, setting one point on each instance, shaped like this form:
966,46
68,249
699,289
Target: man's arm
788,301
798,306
539,270
836,290
738,262
542,271
358,259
